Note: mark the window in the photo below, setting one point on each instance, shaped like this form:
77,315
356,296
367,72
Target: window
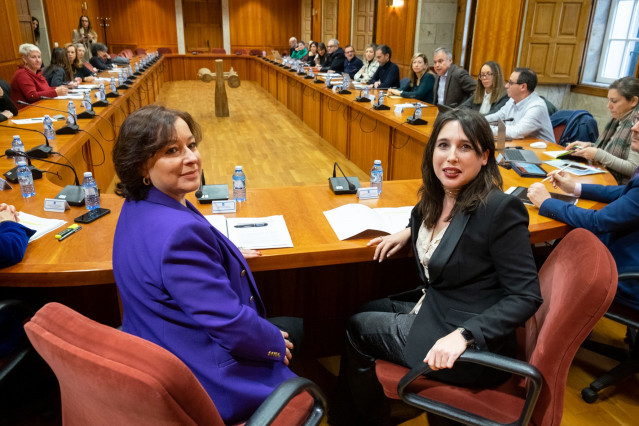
621,45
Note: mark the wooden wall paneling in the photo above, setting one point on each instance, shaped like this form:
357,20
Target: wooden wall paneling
176,68
282,88
311,108
11,39
555,29
488,41
369,141
294,100
264,25
363,24
149,24
202,24
272,82
63,17
329,20
344,9
396,28
406,154
24,21
334,123
306,33
317,20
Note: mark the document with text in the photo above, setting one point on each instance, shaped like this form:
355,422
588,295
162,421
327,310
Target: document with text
352,219
254,232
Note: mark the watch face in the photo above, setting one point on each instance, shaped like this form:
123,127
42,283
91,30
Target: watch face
467,335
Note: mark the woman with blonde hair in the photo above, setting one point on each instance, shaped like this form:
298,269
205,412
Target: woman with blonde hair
370,65
80,71
490,92
421,82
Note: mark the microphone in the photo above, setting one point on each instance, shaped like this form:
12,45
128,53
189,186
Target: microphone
337,185
73,194
206,194
361,98
40,151
67,129
12,175
416,118
83,114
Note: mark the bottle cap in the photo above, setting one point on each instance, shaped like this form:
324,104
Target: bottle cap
16,136
88,174
46,116
378,162
238,168
22,163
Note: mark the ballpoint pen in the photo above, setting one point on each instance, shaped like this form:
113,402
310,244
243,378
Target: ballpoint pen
560,170
251,225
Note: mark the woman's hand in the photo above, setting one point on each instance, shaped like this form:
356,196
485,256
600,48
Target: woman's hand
89,79
8,212
7,113
394,92
289,347
376,84
445,351
61,90
587,153
250,254
578,145
389,244
537,194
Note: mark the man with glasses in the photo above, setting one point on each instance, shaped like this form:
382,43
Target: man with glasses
352,64
387,74
525,114
453,85
335,57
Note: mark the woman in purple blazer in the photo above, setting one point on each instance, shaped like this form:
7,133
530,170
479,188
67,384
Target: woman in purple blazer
184,285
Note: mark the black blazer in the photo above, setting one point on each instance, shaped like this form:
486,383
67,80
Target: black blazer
459,87
5,101
483,278
334,61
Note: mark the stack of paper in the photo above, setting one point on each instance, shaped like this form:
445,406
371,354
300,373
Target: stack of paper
352,219
39,224
254,232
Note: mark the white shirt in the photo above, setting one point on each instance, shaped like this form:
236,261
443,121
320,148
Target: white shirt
441,88
485,105
530,119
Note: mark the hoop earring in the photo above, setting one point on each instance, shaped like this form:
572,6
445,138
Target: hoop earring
146,181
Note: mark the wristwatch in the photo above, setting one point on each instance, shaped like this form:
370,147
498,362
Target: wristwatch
467,335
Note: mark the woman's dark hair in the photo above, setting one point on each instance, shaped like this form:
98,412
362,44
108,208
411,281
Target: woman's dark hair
89,27
36,31
628,87
98,47
476,191
142,134
59,59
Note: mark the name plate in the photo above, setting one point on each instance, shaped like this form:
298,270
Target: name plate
4,185
367,193
398,110
223,206
55,205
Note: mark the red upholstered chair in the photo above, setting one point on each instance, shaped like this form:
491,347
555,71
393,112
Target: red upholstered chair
240,52
127,53
89,67
256,52
164,50
108,377
558,130
140,52
219,50
578,282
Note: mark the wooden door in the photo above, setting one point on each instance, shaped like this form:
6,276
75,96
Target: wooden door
553,39
202,24
24,21
363,23
307,17
329,20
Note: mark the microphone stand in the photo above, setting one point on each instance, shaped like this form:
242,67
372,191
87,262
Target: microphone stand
67,129
40,151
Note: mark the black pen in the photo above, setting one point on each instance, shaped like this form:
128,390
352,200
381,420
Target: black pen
251,225
70,233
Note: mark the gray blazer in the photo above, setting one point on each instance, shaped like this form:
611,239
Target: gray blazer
459,87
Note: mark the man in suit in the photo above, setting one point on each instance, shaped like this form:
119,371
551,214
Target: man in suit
352,64
292,43
387,74
453,85
335,59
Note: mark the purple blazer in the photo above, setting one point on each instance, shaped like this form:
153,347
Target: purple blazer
187,288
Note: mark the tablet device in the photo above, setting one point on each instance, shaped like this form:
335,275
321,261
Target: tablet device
528,169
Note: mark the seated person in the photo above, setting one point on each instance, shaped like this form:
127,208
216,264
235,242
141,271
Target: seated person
421,82
453,84
612,148
335,58
7,108
183,284
616,225
59,72
320,59
80,71
292,43
312,52
100,60
14,237
387,74
525,108
474,257
352,63
28,83
490,94
300,52
369,65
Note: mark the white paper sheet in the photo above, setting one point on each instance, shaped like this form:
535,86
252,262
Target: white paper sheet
352,219
41,225
274,235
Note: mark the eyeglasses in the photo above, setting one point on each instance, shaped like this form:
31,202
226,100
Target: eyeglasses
512,83
485,76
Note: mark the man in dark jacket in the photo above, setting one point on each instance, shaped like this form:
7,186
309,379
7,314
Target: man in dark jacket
387,75
352,64
335,58
453,84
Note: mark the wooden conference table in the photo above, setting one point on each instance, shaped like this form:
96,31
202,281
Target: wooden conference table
85,258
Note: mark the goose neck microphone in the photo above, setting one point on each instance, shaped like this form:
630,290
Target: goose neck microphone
40,151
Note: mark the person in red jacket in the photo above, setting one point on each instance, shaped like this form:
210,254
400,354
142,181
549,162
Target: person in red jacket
28,84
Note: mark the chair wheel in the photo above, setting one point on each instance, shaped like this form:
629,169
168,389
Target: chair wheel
589,395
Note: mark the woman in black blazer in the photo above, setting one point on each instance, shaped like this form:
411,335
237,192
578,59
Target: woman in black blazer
473,253
490,92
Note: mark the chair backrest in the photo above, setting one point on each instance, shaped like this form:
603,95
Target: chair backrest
218,50
163,50
256,52
140,51
89,66
578,283
110,377
558,130
240,51
127,53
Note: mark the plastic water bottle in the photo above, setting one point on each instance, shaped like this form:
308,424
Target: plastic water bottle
72,112
380,98
377,176
49,133
239,184
418,112
365,92
17,146
86,102
112,85
25,179
328,80
91,194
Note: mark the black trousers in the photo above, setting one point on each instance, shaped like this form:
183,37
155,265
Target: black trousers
295,329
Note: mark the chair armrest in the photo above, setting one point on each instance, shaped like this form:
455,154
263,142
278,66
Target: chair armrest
628,276
484,358
282,395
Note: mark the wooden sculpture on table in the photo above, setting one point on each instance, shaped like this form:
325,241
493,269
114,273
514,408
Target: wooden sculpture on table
221,102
